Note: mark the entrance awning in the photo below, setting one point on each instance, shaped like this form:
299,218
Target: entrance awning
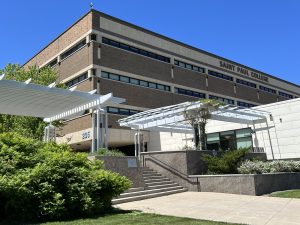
48,102
171,118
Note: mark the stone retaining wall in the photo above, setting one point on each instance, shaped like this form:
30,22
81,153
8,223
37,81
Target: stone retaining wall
126,166
185,167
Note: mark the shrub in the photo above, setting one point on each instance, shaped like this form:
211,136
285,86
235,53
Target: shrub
225,163
48,181
258,167
109,152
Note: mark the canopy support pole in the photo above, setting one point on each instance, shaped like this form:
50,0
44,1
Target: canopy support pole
93,150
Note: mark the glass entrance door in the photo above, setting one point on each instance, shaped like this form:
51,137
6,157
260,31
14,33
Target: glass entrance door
227,140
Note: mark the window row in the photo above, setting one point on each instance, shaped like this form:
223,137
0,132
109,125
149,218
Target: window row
134,81
285,95
73,49
190,93
220,75
221,99
77,80
135,50
266,89
246,83
189,66
245,104
121,111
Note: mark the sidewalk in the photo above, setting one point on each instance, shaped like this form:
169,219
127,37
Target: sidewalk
244,209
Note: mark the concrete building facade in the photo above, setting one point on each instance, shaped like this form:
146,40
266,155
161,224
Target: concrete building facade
148,70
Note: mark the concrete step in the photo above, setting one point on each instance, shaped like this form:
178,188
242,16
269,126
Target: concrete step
146,196
135,189
159,182
162,186
153,176
144,169
149,191
156,179
149,173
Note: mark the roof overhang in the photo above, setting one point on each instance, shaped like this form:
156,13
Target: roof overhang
49,102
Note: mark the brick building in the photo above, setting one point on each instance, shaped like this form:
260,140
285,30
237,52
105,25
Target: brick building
148,70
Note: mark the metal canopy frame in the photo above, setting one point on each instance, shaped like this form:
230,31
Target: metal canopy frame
51,103
171,118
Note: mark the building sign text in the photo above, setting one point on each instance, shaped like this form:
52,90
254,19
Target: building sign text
244,71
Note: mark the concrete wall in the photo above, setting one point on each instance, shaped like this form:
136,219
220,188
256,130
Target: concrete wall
122,166
184,168
174,165
252,184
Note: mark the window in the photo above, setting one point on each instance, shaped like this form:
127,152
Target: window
285,95
77,80
124,111
266,89
220,75
135,50
246,83
121,111
52,63
245,104
221,99
73,49
93,37
124,79
152,85
105,75
114,76
189,66
189,93
234,139
144,83
134,81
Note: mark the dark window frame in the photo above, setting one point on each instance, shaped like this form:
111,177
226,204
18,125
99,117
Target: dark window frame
136,50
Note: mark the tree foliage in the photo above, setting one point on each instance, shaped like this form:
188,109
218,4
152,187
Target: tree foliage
49,181
30,126
199,117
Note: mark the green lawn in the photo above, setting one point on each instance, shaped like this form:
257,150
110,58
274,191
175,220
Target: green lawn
133,218
287,194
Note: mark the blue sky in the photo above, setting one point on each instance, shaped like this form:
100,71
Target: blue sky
263,34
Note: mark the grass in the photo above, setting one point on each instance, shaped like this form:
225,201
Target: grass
287,194
133,218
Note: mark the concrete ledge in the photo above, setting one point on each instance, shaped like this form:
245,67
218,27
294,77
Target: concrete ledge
247,184
128,166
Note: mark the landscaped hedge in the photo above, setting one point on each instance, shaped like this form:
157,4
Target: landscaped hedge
259,167
49,181
226,162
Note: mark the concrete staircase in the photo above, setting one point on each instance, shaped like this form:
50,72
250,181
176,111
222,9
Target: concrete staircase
156,185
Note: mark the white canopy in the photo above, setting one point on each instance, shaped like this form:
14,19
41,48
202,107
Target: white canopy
171,118
26,99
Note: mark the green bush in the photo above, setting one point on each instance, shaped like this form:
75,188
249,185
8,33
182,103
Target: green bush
109,152
225,163
49,181
258,167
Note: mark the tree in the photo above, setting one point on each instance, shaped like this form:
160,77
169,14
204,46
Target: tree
198,118
29,126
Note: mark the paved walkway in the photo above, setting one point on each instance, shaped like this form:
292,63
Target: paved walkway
223,207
